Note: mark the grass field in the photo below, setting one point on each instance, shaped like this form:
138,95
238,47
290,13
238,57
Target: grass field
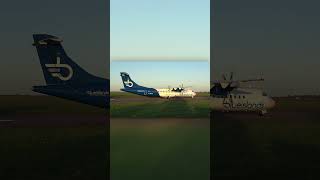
160,149
155,138
165,148
115,94
53,153
39,144
24,104
126,105
283,145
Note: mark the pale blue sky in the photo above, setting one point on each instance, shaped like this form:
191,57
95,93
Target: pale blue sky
82,25
160,30
161,74
146,33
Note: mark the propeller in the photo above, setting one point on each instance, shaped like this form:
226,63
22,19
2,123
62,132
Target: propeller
224,77
230,84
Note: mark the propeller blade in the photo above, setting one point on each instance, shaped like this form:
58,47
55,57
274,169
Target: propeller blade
231,76
224,77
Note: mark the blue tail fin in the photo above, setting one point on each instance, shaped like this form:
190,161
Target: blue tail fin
57,67
128,83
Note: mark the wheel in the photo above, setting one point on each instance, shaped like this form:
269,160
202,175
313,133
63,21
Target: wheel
262,112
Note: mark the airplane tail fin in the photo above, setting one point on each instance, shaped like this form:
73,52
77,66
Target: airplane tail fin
128,83
57,67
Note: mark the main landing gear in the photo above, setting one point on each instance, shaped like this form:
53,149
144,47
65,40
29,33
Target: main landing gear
263,112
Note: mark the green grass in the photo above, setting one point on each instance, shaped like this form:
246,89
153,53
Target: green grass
24,104
53,153
285,144
115,94
160,150
145,107
266,149
157,148
147,149
166,109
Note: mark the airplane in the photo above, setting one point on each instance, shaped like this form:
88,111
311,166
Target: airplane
132,87
228,96
66,79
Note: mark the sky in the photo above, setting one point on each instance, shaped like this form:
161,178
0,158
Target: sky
83,26
160,30
162,74
161,43
278,39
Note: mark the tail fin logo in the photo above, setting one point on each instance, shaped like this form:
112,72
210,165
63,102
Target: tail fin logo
128,83
55,70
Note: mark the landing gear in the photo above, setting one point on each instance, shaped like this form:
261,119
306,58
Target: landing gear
263,112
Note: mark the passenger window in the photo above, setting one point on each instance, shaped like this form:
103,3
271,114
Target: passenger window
243,97
235,97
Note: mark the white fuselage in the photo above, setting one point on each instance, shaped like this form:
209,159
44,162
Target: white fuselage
248,100
169,93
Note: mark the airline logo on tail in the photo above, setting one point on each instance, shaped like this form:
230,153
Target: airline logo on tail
55,70
128,83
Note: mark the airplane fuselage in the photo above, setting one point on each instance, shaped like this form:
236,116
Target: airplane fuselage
163,93
249,101
132,87
168,93
98,96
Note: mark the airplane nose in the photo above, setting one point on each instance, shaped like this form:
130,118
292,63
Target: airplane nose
270,103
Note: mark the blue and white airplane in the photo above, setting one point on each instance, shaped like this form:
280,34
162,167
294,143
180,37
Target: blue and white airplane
132,87
228,96
64,78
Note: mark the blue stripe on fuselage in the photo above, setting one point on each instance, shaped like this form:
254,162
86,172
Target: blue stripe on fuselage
96,97
143,91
